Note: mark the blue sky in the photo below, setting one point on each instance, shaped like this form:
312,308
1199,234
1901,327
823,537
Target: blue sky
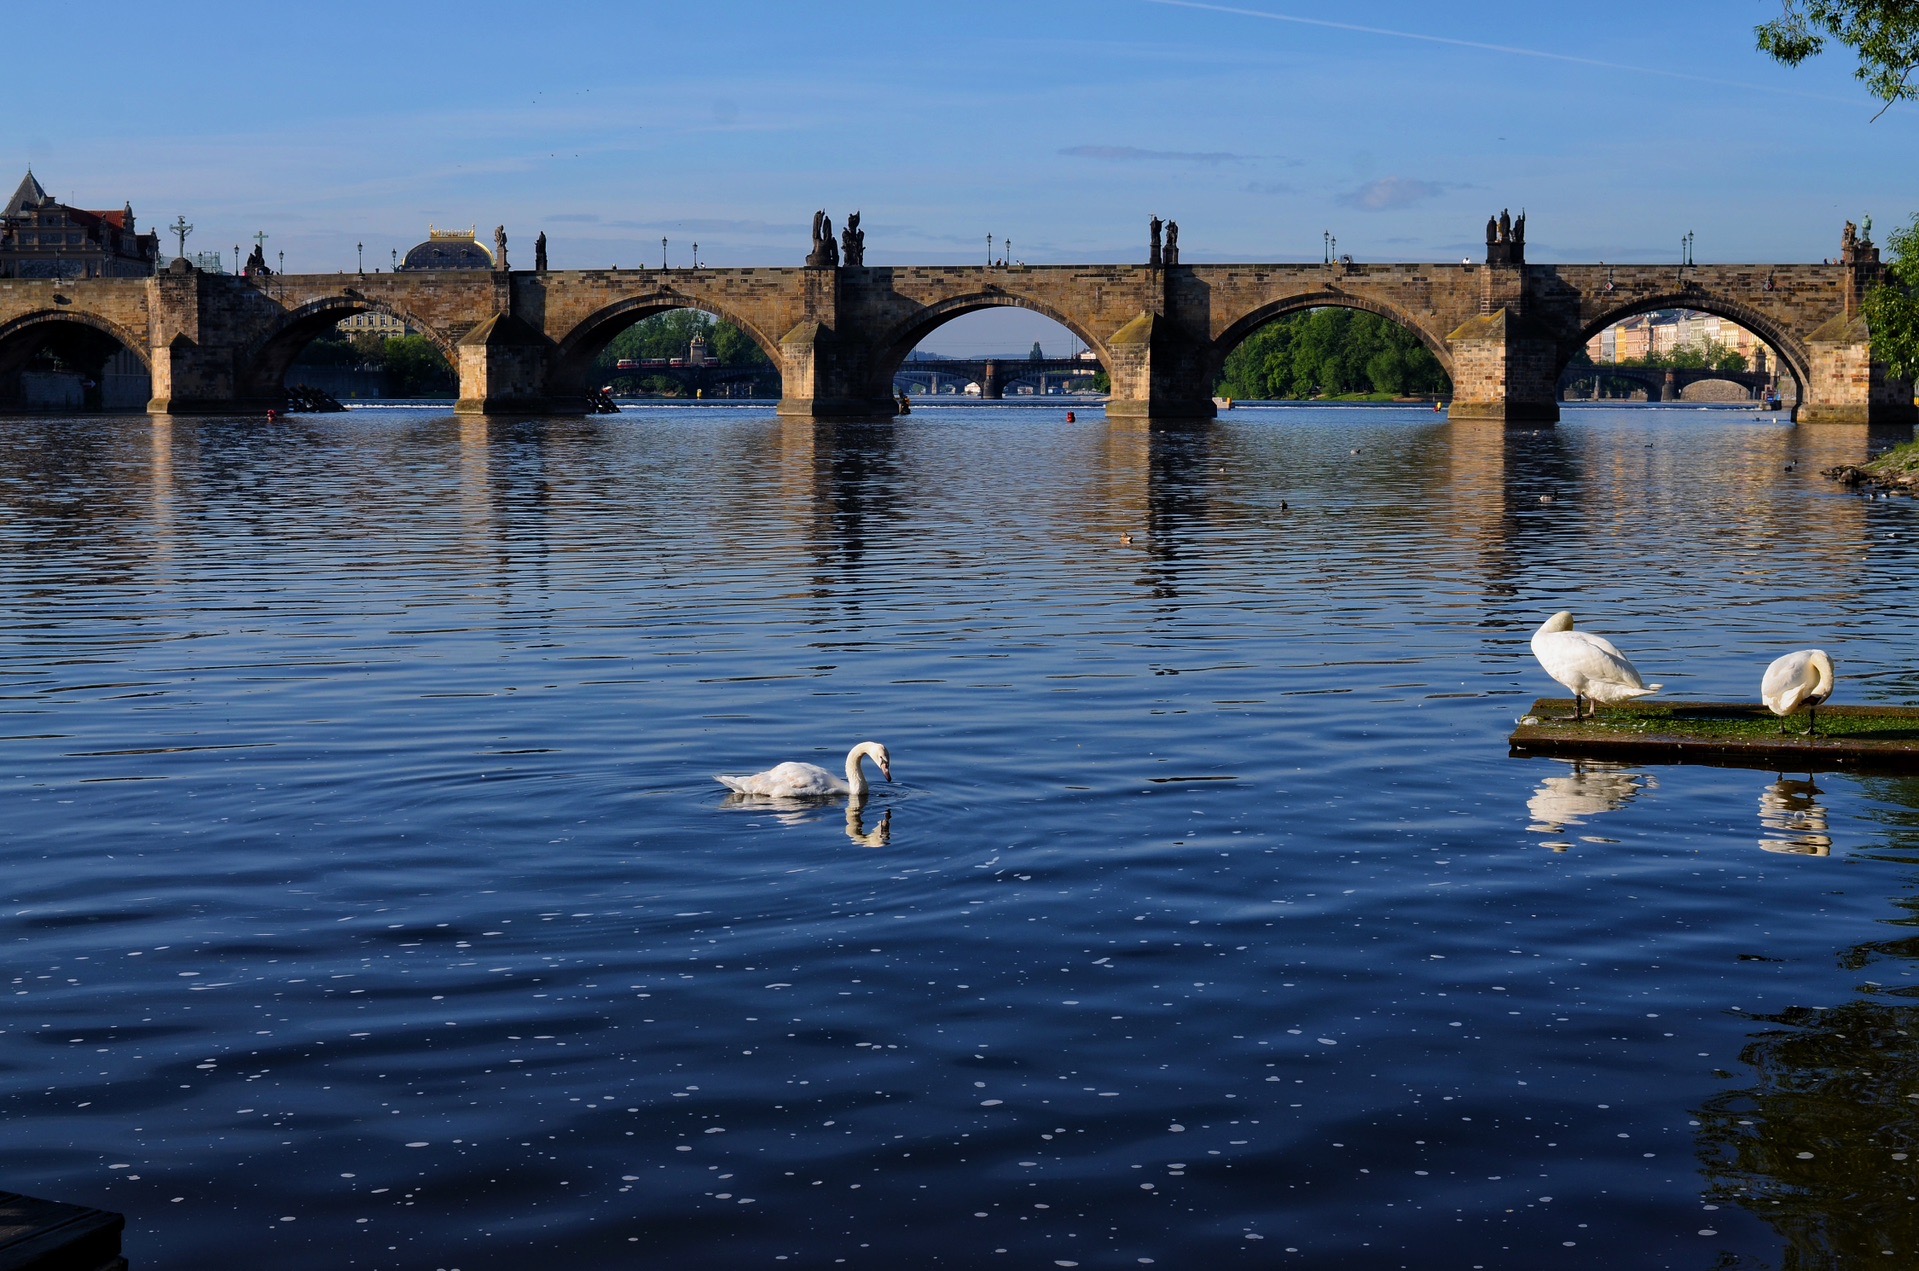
1063,124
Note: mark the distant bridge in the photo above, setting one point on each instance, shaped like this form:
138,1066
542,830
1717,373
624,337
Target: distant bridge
702,380
1659,382
994,375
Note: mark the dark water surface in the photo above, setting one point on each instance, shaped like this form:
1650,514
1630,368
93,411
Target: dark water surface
366,899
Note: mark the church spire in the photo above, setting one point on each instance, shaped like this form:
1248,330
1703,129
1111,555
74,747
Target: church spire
30,194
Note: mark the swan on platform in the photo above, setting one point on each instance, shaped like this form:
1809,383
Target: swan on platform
1587,664
810,781
1798,679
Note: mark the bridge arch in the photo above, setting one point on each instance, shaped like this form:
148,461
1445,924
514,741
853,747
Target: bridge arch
1249,324
1785,346
31,326
891,348
80,341
1243,328
263,368
578,348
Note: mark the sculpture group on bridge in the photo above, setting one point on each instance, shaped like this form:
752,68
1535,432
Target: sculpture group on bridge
256,266
499,248
1506,239
825,253
854,240
1169,254
539,253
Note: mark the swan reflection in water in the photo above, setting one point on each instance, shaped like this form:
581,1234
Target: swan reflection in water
795,812
1792,819
1594,786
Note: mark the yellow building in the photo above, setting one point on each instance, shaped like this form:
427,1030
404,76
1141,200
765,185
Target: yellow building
372,322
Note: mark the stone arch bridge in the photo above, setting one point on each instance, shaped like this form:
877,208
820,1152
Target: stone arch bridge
525,341
1662,383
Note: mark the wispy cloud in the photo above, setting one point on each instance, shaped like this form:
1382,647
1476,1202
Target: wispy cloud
1133,154
1512,50
1391,193
714,225
1269,187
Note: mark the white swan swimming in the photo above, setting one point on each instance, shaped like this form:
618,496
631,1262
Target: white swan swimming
1799,679
1587,664
810,781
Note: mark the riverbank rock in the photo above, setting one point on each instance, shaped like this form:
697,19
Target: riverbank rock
1895,472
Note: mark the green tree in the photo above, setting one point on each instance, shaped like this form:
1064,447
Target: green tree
415,368
1892,307
1330,352
1885,33
669,335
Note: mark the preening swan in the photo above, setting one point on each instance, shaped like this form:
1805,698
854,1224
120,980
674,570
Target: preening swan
810,781
1587,664
1798,679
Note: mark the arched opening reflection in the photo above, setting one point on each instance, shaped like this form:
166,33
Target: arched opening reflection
1336,353
70,364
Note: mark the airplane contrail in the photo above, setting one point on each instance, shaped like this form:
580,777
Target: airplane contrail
1486,48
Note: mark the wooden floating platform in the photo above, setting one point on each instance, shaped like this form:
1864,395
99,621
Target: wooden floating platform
1730,734
46,1235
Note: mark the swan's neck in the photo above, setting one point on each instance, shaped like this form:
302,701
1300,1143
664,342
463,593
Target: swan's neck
855,773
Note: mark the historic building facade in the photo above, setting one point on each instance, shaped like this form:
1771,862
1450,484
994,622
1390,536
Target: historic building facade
41,237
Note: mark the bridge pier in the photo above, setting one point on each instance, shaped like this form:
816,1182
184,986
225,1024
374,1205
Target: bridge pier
1158,373
504,367
1505,371
1847,386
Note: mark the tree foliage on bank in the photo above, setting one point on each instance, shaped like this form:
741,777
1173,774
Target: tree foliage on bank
1892,307
412,364
1332,352
669,335
1885,33
1705,355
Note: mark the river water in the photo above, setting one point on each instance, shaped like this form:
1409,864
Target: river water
367,900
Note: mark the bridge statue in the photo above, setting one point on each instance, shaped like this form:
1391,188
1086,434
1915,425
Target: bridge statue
539,253
1153,254
256,266
825,253
854,239
1506,239
499,248
1171,255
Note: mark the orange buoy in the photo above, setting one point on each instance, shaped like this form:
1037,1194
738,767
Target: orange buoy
1069,418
